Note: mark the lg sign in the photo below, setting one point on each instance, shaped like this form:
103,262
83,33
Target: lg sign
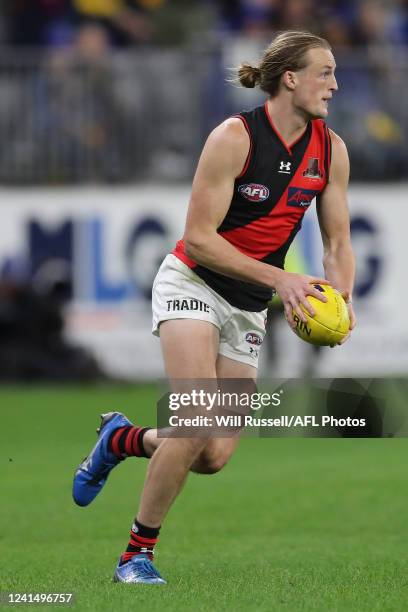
369,254
254,192
87,247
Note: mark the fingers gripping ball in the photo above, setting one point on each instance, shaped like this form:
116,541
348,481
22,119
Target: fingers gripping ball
331,322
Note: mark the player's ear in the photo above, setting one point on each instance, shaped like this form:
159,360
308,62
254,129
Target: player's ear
289,79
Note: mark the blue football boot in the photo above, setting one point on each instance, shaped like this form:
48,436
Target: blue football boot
93,472
138,570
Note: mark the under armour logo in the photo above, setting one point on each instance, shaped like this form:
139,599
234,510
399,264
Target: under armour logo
284,167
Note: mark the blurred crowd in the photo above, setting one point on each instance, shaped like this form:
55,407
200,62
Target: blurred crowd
128,89
344,23
138,22
54,23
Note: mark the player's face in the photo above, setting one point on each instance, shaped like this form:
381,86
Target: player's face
315,84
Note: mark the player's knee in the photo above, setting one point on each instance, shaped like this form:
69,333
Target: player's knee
214,466
210,464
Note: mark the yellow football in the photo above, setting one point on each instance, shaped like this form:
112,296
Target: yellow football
331,322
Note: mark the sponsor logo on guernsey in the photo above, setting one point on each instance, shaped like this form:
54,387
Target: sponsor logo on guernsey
254,192
285,167
300,197
190,304
254,338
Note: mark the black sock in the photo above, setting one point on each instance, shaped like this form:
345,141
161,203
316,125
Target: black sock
142,541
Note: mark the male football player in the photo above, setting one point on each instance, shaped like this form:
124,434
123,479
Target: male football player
256,177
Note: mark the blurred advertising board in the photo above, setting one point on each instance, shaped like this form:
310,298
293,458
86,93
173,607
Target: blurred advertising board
108,243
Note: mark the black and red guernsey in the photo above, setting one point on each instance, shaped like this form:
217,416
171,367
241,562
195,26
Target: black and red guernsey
271,195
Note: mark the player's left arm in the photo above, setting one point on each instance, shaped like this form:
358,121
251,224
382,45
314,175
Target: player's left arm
334,221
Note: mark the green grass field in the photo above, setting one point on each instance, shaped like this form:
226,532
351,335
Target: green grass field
289,524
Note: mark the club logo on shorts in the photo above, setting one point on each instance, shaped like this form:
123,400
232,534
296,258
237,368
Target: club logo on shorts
301,198
191,304
254,338
254,192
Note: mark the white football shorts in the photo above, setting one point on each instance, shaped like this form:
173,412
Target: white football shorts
178,293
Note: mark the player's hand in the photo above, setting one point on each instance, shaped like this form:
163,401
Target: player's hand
347,298
293,290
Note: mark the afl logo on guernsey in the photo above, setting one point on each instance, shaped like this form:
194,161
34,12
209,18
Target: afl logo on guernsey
254,192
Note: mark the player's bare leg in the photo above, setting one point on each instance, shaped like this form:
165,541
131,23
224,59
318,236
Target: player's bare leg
217,451
168,468
172,461
172,458
119,438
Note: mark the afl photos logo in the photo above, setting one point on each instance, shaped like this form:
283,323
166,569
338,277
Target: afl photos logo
254,192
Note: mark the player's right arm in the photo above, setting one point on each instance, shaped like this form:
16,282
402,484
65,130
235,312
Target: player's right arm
221,161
